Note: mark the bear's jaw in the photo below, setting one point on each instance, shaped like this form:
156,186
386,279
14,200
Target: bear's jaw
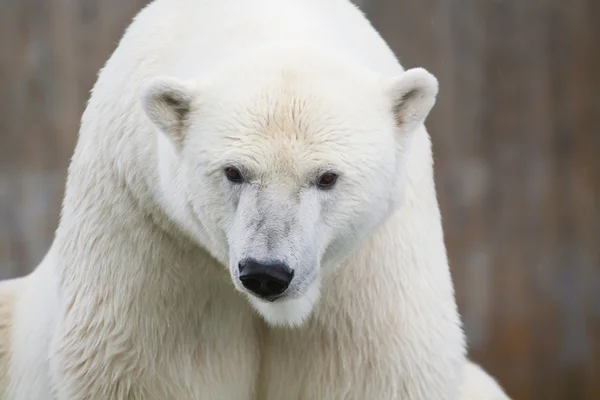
288,312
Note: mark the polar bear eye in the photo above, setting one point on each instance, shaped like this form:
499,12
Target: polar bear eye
327,180
234,175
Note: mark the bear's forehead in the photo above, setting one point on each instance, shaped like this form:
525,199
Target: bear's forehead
282,133
291,112
297,122
291,101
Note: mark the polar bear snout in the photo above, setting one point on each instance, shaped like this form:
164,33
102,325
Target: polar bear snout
265,279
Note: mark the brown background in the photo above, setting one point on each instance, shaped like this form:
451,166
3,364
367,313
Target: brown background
517,146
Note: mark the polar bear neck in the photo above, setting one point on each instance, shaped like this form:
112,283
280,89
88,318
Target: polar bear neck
113,237
404,253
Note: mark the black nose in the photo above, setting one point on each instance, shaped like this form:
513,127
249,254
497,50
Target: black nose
265,279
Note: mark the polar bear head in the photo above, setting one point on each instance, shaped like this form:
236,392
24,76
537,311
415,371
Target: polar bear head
279,166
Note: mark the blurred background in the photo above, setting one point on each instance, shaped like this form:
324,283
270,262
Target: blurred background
516,136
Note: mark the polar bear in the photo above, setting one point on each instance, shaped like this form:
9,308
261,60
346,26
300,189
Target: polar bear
250,213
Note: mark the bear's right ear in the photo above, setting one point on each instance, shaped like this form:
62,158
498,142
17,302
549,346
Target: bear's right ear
168,103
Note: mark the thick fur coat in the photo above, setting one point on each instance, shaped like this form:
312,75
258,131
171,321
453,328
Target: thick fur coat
140,295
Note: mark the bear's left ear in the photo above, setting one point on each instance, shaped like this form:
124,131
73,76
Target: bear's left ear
413,95
168,103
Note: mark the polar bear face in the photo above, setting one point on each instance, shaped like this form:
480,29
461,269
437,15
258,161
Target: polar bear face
281,174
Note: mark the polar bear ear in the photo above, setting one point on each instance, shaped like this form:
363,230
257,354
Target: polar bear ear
168,103
414,94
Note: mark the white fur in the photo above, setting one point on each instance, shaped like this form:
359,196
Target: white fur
288,312
139,297
478,385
